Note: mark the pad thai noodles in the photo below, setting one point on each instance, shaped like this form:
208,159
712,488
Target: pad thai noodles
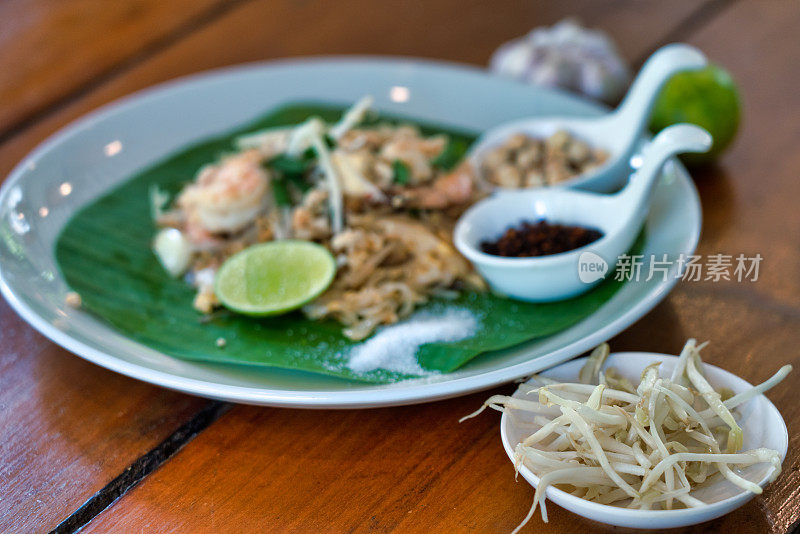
383,198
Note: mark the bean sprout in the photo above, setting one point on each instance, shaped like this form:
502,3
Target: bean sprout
646,447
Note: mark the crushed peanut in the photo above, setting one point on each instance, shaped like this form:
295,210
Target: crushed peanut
524,161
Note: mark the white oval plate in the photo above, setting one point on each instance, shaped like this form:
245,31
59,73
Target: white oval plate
103,149
760,420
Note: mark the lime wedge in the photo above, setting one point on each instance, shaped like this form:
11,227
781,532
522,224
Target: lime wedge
273,278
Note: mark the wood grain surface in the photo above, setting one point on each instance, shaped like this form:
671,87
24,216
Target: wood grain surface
67,428
416,469
266,30
51,48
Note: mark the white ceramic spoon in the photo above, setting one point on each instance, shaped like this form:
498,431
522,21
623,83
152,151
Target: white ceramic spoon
619,217
760,420
618,132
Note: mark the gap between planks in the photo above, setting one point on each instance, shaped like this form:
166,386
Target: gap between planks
143,466
688,26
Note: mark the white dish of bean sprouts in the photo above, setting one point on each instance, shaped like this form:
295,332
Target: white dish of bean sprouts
690,443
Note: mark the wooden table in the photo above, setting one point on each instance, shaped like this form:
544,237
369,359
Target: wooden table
83,447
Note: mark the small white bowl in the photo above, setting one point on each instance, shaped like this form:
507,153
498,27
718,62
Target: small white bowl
618,132
761,422
544,278
618,217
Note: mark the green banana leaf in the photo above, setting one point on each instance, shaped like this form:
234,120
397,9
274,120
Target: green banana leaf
104,254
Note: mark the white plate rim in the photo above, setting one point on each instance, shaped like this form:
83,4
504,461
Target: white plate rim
410,393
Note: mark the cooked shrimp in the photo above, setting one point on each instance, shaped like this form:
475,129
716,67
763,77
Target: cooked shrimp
226,197
450,189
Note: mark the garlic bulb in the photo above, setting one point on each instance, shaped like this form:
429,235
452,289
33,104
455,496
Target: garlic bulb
567,56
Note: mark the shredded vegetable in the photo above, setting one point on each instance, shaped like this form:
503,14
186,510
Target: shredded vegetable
647,447
352,117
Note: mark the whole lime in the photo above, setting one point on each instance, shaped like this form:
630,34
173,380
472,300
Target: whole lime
708,98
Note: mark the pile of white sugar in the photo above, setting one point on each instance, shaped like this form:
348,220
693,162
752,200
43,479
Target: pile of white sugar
394,348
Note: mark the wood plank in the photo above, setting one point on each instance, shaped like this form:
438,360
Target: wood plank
51,48
415,469
450,29
750,206
750,199
67,427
